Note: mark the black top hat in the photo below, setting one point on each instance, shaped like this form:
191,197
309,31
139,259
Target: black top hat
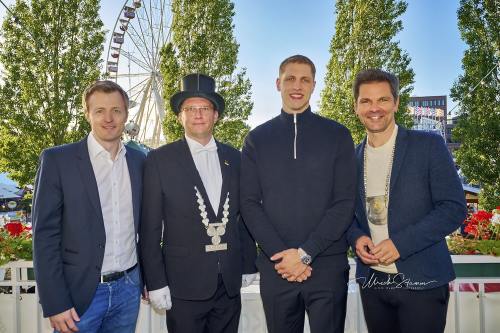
197,85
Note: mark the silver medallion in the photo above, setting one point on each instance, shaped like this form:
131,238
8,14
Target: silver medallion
216,230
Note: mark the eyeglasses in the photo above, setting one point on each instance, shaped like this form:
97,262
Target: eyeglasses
192,110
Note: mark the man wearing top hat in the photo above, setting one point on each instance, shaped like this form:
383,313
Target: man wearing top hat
194,245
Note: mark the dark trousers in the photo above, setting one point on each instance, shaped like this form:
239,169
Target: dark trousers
323,296
218,314
391,307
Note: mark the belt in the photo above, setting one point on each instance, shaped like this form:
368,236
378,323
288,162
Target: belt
116,275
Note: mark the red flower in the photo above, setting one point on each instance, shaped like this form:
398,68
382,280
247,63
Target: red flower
482,216
477,225
14,228
471,229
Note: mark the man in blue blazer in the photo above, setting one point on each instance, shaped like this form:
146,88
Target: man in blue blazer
409,198
86,211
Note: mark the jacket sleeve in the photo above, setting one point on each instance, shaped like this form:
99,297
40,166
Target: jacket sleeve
252,210
354,232
47,230
248,248
152,223
449,207
338,216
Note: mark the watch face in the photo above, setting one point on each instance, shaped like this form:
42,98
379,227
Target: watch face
306,260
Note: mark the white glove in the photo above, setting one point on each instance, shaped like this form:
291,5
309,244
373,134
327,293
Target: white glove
247,279
160,298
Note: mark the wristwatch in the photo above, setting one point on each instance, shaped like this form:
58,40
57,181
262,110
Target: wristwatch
304,257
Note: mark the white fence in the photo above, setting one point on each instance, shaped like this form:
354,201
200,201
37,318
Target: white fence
467,312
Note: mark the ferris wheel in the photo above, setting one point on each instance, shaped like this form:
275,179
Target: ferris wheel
133,61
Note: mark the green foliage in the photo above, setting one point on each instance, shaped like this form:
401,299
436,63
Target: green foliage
489,196
364,38
203,42
43,77
478,128
461,245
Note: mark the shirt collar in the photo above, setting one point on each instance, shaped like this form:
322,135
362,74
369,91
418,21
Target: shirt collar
195,146
96,149
388,145
288,117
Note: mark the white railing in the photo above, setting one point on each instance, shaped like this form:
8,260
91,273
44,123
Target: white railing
474,311
467,311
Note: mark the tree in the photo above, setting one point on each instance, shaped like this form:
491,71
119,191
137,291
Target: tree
364,38
477,91
203,42
48,57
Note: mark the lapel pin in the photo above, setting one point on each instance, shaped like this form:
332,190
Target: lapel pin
226,162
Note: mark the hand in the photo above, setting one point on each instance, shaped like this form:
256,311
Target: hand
304,276
160,298
385,252
247,279
291,267
364,247
64,322
300,278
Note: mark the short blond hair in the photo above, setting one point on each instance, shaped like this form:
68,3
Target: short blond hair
104,86
298,59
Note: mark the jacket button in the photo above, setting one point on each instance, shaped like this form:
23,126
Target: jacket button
101,246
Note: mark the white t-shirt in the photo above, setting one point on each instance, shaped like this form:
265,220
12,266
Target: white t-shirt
377,165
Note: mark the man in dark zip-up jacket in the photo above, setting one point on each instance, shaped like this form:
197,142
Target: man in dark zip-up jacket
298,182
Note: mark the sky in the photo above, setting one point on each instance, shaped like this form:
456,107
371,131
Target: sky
268,31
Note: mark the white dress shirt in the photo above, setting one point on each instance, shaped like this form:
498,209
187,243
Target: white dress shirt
115,195
207,163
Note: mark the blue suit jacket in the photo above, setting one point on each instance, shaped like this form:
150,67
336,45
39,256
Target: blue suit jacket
426,203
68,227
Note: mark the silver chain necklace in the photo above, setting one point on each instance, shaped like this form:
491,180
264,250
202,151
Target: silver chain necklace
214,230
389,171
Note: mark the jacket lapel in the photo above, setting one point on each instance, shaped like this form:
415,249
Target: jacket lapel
399,154
361,177
88,178
226,175
134,170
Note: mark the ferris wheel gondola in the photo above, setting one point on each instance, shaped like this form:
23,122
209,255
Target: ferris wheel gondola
133,61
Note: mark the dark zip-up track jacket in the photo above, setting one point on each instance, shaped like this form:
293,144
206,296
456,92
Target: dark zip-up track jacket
298,183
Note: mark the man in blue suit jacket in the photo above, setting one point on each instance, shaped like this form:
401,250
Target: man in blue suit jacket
86,210
409,199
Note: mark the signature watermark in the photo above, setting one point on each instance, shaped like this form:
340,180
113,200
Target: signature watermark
392,281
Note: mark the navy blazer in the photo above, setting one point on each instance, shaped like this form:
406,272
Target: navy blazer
172,237
426,204
68,227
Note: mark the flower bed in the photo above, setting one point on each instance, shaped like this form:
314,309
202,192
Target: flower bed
15,242
480,235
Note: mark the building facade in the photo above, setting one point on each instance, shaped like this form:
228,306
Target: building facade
430,113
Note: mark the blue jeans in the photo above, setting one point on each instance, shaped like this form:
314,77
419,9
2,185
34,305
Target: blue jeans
115,306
